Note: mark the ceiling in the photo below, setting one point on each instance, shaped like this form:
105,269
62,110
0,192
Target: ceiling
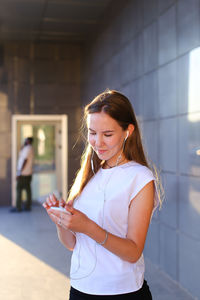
51,20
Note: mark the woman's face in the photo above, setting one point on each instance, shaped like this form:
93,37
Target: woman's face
105,136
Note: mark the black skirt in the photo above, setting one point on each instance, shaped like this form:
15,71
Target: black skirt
142,294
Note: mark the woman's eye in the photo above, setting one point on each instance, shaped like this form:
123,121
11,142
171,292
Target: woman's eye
92,133
107,135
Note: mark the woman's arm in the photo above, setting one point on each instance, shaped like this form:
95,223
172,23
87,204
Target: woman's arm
66,237
131,247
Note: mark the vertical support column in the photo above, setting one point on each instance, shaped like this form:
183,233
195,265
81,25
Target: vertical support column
64,156
14,159
15,82
32,81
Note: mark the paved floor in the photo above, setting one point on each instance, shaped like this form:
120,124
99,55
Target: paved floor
35,266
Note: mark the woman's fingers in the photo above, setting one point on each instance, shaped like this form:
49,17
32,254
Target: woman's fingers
62,202
54,218
72,219
59,218
59,214
70,203
55,212
51,200
70,209
47,203
54,200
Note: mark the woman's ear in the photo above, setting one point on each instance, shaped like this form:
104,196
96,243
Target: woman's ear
131,128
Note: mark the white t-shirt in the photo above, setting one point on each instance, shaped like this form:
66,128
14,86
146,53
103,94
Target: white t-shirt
25,153
105,200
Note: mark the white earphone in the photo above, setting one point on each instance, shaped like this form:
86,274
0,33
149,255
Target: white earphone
127,134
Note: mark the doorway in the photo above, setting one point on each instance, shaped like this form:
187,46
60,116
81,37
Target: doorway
50,153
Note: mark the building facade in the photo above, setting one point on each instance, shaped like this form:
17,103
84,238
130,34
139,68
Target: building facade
150,51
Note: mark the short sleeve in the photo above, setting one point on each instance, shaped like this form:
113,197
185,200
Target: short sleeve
26,152
142,178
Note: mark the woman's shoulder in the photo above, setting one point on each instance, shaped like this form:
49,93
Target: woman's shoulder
134,168
133,165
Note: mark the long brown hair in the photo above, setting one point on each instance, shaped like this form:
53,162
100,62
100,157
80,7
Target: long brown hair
118,107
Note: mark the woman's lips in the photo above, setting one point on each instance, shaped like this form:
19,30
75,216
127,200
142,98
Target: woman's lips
101,151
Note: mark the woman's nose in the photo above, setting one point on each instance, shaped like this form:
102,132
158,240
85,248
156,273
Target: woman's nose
98,141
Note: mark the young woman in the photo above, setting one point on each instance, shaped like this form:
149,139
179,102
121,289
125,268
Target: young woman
110,206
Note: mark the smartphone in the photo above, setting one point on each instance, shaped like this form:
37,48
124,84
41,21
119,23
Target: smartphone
62,209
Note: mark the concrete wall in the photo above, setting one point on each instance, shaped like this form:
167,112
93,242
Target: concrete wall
146,51
37,78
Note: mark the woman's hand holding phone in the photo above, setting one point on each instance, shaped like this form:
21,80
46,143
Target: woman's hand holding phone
65,216
51,200
55,208
61,209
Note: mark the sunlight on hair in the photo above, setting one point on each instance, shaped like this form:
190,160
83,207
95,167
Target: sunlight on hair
76,185
159,186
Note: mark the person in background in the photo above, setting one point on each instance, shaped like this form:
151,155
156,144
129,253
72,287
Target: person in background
110,206
24,175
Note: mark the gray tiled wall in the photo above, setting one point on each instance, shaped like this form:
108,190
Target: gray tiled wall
167,35
146,52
